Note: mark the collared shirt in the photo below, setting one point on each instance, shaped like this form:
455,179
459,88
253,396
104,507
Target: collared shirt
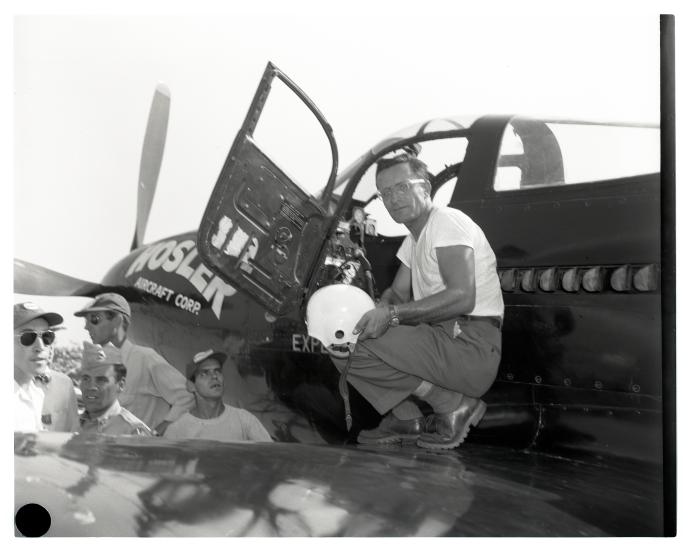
115,421
28,403
59,411
232,424
154,390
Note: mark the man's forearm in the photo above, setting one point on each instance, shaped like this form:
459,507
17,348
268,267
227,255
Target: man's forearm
444,305
389,296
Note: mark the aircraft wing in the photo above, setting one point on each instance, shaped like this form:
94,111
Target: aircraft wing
94,485
34,279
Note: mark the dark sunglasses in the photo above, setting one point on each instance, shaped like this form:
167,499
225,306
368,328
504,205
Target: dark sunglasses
94,319
29,337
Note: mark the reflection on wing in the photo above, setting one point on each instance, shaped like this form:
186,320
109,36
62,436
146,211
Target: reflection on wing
127,486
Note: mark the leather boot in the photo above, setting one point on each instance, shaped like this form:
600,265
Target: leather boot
392,430
448,431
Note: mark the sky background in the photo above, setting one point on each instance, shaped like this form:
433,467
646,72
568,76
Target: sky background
78,90
83,86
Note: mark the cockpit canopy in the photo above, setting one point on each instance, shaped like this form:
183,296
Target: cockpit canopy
532,153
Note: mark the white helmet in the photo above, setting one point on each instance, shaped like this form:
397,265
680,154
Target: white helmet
332,313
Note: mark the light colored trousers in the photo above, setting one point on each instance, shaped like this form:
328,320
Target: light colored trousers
386,370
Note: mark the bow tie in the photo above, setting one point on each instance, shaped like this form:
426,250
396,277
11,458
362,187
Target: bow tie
43,378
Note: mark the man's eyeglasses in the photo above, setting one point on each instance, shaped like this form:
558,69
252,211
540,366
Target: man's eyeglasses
398,189
28,338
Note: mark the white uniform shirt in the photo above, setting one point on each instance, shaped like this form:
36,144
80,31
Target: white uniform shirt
154,390
28,403
59,411
231,425
451,227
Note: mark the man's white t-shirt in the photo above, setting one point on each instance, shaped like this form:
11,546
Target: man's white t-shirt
231,425
451,227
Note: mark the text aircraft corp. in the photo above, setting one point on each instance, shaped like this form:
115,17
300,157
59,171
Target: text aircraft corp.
573,439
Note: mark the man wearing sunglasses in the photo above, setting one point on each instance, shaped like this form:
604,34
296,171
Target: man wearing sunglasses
435,334
154,390
44,399
102,378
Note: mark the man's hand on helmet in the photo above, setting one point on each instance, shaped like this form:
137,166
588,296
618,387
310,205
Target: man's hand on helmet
373,324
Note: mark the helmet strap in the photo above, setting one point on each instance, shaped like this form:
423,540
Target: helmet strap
343,389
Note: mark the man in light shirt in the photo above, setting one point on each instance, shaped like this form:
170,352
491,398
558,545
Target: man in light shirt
154,391
436,332
102,378
58,399
34,334
211,418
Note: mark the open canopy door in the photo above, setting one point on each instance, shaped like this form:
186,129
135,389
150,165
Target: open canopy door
261,231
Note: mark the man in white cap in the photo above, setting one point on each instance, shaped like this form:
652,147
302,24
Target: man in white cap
102,379
211,418
155,391
43,398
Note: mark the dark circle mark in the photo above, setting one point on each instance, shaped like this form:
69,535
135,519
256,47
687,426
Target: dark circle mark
32,520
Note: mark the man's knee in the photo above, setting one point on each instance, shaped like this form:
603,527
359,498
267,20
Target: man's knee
477,382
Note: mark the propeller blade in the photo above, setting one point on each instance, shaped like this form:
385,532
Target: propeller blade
152,154
38,280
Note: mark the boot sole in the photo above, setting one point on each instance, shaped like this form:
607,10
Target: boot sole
474,420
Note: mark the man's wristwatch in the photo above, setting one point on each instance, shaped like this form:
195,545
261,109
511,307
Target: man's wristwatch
393,316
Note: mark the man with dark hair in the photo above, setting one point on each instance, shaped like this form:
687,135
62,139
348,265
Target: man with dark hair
211,418
435,334
155,391
102,379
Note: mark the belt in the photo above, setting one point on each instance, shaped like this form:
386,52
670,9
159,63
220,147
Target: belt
494,320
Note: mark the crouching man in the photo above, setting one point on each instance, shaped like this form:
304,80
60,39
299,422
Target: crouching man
436,333
211,418
101,381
